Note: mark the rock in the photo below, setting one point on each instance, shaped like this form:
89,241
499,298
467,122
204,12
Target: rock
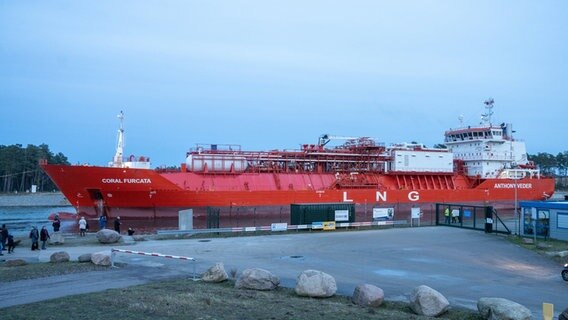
560,254
139,237
543,246
108,236
501,309
427,301
56,238
314,283
368,295
101,258
127,240
528,241
257,279
86,257
15,263
60,256
563,315
216,273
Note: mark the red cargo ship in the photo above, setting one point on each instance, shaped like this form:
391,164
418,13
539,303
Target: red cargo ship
482,165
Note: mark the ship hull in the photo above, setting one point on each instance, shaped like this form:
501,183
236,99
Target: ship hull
155,198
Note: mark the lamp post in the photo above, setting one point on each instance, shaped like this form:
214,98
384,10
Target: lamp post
517,214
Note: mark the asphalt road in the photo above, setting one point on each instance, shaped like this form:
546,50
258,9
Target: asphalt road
463,265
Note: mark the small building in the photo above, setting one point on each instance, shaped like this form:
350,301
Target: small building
549,218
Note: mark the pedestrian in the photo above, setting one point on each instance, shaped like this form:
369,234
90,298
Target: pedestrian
102,222
1,241
455,215
43,236
117,224
4,236
56,224
11,244
130,231
82,226
447,215
34,235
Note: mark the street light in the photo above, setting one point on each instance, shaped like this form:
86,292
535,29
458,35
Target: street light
516,210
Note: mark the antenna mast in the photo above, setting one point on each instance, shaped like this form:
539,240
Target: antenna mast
120,144
486,117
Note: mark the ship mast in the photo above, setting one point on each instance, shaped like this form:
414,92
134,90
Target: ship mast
117,161
486,117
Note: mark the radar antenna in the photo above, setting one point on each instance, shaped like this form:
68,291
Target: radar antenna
117,161
486,117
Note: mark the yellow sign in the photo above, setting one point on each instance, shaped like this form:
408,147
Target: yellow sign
329,225
547,311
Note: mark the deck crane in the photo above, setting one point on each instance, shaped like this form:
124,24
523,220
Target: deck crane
326,138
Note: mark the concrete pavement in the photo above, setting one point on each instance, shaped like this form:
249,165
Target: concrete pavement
464,265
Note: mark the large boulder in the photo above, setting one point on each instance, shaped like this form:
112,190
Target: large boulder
502,309
216,273
60,256
15,263
368,295
108,236
101,258
314,283
56,238
563,315
257,279
86,257
428,302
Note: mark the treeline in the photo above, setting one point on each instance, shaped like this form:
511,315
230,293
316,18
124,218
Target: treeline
552,165
19,168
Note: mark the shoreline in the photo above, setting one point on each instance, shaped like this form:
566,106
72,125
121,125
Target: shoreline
38,199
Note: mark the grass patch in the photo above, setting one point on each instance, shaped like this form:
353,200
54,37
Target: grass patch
43,270
545,247
187,299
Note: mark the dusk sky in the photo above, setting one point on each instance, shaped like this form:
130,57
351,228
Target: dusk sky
276,74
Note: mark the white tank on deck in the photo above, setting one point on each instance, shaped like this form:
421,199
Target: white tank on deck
215,163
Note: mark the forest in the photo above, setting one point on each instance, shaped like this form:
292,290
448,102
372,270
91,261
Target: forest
19,167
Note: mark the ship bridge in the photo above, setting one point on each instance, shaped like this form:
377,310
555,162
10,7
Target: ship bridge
487,150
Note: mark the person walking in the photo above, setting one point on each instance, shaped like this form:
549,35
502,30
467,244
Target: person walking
117,224
82,226
1,240
447,215
56,224
4,236
102,222
34,235
11,244
43,236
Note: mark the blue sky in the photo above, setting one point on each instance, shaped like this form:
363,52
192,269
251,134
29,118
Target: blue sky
276,74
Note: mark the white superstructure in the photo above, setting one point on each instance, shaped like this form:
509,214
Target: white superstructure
489,151
132,162
416,158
